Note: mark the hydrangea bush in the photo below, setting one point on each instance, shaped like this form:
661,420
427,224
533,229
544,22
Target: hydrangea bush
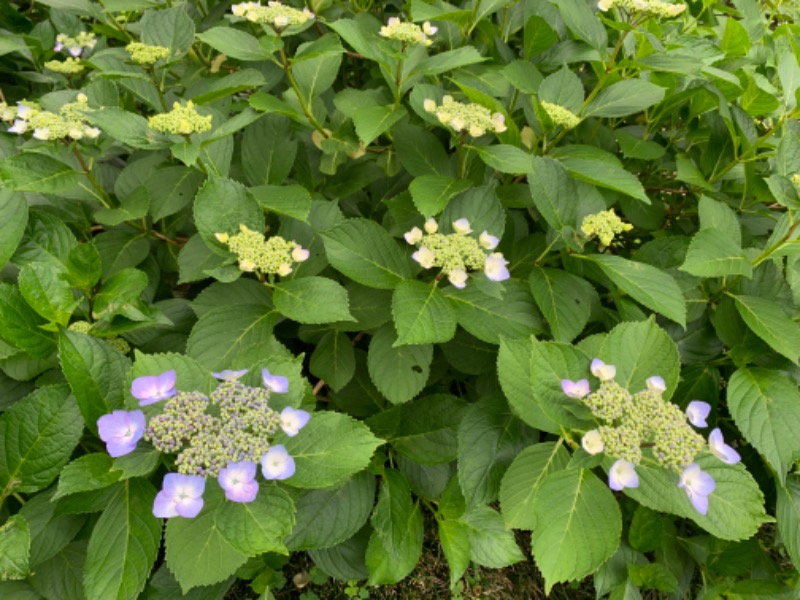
314,276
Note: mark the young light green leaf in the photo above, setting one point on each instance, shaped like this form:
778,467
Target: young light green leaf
317,75
505,158
370,122
769,322
652,287
401,372
39,432
455,540
312,300
88,472
363,251
329,450
713,253
124,544
766,408
45,290
523,479
422,315
492,544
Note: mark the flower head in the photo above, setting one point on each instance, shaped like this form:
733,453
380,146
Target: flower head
697,412
238,480
277,464
276,384
603,371
181,495
121,430
698,485
722,450
622,475
592,441
151,389
473,118
576,389
408,33
495,267
293,420
229,375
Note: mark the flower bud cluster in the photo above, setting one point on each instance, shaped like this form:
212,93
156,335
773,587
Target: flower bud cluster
75,45
473,118
255,253
117,342
645,8
144,54
70,66
68,122
457,253
560,115
183,119
408,33
605,225
274,14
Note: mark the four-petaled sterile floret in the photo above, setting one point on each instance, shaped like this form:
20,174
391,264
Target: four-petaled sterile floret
144,54
121,430
274,14
605,225
183,119
408,33
181,495
255,253
151,389
238,480
277,464
697,412
457,253
473,118
698,485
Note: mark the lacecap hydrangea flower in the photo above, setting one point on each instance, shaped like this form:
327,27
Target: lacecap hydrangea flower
605,225
70,66
143,54
645,420
224,435
457,253
473,118
68,122
646,8
183,119
274,255
408,33
75,45
274,14
560,115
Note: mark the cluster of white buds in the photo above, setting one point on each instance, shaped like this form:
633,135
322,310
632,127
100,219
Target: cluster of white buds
274,14
647,8
408,33
457,253
69,122
75,45
474,118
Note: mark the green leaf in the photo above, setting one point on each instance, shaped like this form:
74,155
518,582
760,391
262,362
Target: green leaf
423,430
640,350
37,173
231,337
291,200
766,408
372,121
189,373
45,290
396,542
13,218
624,98
579,525
420,152
489,438
422,314
787,512
769,322
646,532
492,544
326,518
234,43
222,206
718,215
449,60
652,287
312,300
505,158
88,472
197,551
735,507
333,360
363,251
538,36
563,88
401,372
489,318
523,479
127,127
584,24
635,147
96,373
553,192
15,548
564,299
268,151
330,449
259,526
455,541
713,253
316,75
431,193
171,28
39,434
124,544
601,169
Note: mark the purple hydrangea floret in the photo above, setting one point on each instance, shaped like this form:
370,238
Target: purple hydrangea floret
276,463
238,480
151,389
293,420
722,450
275,383
121,430
576,389
181,495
